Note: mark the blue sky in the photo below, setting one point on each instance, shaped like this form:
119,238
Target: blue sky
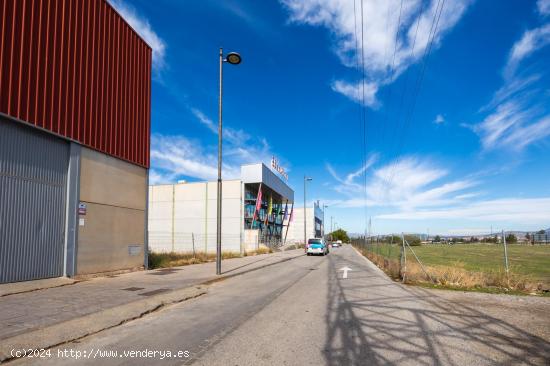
455,97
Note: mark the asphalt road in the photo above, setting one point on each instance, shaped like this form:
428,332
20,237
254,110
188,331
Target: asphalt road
303,312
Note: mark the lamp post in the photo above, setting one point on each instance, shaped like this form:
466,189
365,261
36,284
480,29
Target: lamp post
324,208
306,179
234,59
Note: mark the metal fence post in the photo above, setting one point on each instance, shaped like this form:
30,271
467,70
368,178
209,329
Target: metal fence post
193,241
403,261
505,250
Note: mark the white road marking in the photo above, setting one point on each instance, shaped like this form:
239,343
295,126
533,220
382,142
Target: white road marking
345,269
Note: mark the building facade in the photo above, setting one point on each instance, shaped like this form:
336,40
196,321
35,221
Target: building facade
75,85
183,216
314,224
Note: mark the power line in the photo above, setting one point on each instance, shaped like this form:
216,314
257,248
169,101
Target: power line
416,90
363,108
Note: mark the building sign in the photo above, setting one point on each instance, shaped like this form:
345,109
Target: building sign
82,208
279,169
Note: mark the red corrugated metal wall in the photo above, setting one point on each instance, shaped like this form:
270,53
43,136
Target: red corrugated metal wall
76,68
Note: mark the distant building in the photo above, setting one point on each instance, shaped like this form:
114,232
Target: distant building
183,216
315,228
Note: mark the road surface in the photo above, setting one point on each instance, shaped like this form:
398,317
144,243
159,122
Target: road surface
304,312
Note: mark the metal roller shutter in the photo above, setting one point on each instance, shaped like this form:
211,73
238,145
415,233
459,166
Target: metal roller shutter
33,181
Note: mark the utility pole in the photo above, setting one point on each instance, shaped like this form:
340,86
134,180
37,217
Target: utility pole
306,179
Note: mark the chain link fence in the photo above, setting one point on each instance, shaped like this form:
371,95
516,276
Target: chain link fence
498,265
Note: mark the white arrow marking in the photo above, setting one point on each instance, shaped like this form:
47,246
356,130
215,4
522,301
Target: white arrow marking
345,269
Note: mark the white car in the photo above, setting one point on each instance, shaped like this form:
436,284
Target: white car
316,246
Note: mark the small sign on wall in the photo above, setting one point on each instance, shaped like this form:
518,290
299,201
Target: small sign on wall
82,208
81,222
134,249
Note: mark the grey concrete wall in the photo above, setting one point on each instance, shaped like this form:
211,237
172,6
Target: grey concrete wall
184,215
112,235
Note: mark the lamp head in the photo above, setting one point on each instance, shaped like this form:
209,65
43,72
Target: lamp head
233,58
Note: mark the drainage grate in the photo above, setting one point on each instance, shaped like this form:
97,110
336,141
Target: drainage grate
155,292
133,288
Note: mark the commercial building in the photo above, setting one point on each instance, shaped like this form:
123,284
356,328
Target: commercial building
314,224
255,210
75,85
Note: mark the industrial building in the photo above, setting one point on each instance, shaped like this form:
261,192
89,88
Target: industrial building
75,85
314,224
256,209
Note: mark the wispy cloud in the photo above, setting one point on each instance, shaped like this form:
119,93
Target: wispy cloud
407,182
531,41
237,137
532,211
176,157
543,7
513,125
518,114
439,119
379,33
348,184
173,157
142,26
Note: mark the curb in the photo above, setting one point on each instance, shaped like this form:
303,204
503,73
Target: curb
77,328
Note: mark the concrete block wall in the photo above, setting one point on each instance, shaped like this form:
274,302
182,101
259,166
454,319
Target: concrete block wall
111,235
182,217
296,228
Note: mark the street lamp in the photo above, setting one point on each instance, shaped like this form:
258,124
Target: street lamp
324,208
305,209
234,59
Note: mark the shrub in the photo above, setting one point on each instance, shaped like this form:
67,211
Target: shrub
413,240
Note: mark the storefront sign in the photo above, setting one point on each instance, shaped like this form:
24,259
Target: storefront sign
279,169
82,208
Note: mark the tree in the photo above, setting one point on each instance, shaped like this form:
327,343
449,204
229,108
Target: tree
393,239
340,234
527,237
437,239
541,232
413,240
511,238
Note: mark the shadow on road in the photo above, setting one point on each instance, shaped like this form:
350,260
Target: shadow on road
372,320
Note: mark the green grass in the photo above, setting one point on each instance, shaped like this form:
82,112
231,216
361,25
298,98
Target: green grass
525,260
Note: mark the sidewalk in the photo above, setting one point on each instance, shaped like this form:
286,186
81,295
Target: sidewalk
50,316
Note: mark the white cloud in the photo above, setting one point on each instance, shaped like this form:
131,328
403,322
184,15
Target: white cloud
238,137
354,91
348,184
176,157
533,211
379,32
142,26
407,182
411,182
531,41
513,125
439,119
518,113
543,6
